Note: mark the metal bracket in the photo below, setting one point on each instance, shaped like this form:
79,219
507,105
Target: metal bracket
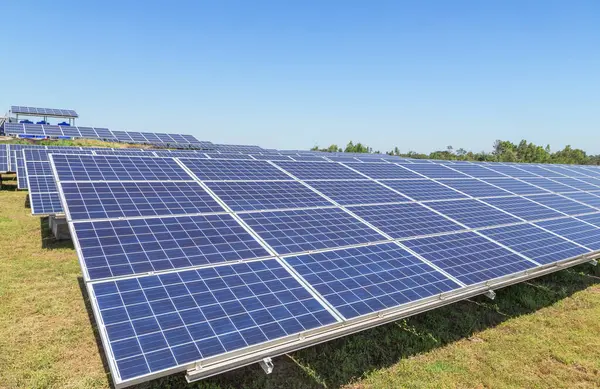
593,262
267,365
490,294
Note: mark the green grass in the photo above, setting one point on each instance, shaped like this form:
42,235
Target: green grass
539,334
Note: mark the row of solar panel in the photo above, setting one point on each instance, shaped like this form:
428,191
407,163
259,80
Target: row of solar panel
17,109
302,269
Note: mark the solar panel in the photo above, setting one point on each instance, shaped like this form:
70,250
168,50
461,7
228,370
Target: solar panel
100,200
45,203
565,171
307,158
296,231
477,171
42,184
432,170
593,218
511,171
382,170
222,170
265,195
574,230
475,188
117,168
154,323
540,171
229,156
469,257
133,246
4,158
319,170
357,192
562,204
424,190
405,220
473,213
550,185
271,157
577,184
44,111
515,186
362,280
523,208
591,180
535,243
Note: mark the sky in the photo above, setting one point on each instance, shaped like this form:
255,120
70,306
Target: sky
419,75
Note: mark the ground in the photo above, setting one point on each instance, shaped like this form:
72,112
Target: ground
539,334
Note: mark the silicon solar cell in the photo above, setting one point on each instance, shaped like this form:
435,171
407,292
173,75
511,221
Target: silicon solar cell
117,168
319,170
99,200
222,170
523,208
469,257
562,204
382,170
4,157
38,168
577,184
540,171
432,170
307,158
564,171
593,181
515,186
295,231
550,185
271,157
133,246
511,171
266,195
132,153
42,184
357,192
153,323
477,171
363,280
593,218
424,190
590,199
229,156
574,230
475,188
473,213
535,243
45,203
592,172
405,220
341,159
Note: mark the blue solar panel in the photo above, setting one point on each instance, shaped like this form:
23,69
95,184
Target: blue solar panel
134,246
319,170
476,188
510,170
540,171
535,243
229,156
357,192
130,152
154,323
562,204
405,220
565,171
265,195
307,158
593,181
516,186
45,203
296,231
220,170
523,208
477,171
362,280
591,199
550,185
271,157
383,170
473,213
469,257
38,168
4,158
98,200
575,230
577,184
117,168
42,184
424,190
432,170
43,111
593,218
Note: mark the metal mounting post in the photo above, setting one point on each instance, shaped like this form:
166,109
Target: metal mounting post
593,262
267,365
490,294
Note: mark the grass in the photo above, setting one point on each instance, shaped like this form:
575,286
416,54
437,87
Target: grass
539,334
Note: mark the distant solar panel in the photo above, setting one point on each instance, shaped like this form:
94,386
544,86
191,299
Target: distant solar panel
383,170
515,186
473,213
540,171
357,192
477,171
565,171
523,208
591,199
319,170
17,109
574,230
270,157
229,156
550,185
476,188
469,257
296,231
424,190
223,170
431,170
4,158
577,184
511,171
367,279
562,204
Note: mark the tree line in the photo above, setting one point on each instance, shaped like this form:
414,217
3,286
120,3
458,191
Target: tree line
502,151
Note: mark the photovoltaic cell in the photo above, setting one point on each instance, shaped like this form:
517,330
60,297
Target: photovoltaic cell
593,218
266,195
424,190
577,184
516,186
222,170
591,180
99,200
587,198
296,231
363,280
117,168
477,171
229,156
511,171
382,170
319,170
42,184
540,171
155,323
473,213
45,203
550,185
469,257
405,220
432,170
133,246
523,208
476,188
357,192
562,204
564,171
575,230
535,243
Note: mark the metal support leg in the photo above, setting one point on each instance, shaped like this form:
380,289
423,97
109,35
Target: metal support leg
490,294
593,262
267,365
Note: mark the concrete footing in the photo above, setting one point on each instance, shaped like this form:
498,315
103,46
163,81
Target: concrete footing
59,227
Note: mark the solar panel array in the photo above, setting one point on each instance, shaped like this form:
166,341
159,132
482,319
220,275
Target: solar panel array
67,113
189,259
4,158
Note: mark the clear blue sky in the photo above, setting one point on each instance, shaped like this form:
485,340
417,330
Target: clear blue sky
420,75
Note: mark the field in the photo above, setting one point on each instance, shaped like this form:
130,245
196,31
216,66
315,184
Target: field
540,334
